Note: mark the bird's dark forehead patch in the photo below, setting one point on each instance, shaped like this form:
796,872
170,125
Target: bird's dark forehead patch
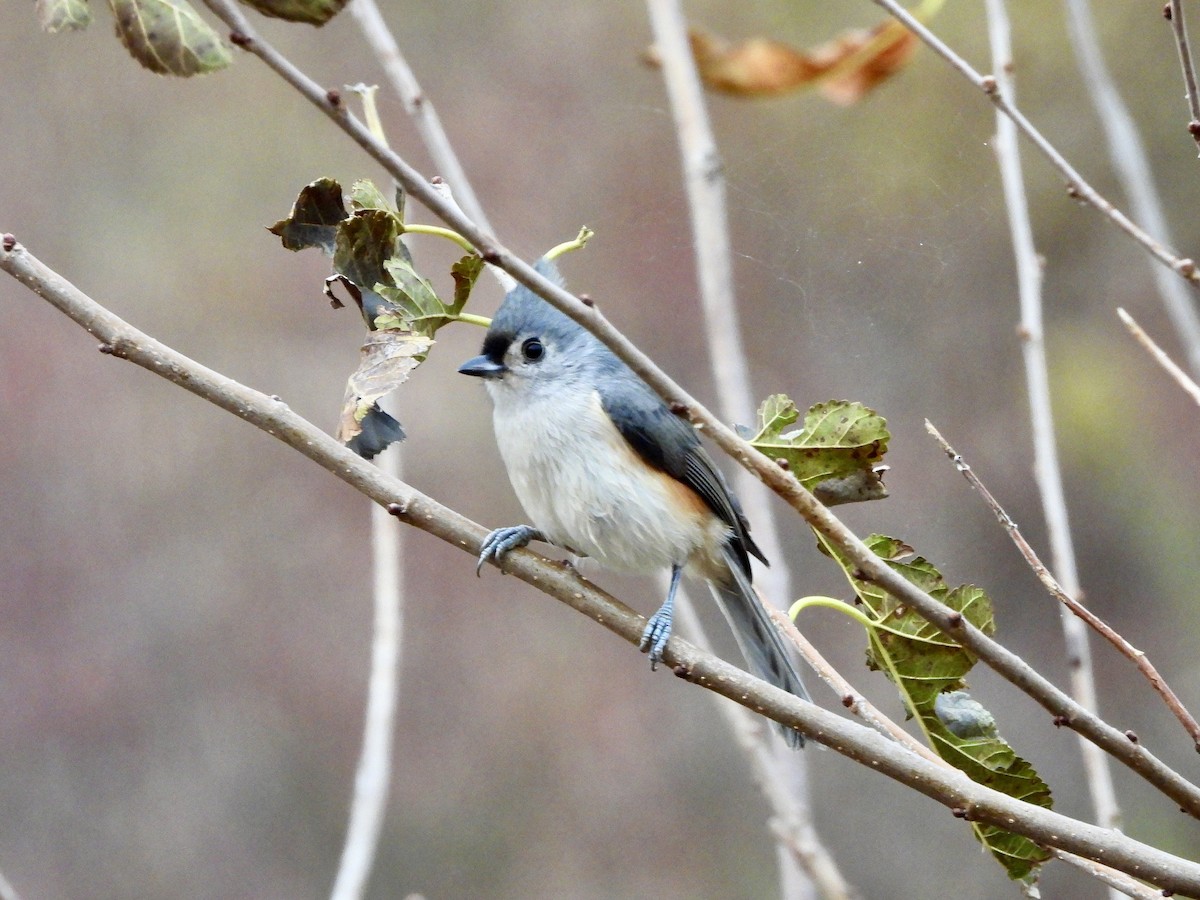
496,344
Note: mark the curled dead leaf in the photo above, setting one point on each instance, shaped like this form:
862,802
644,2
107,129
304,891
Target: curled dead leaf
388,358
845,68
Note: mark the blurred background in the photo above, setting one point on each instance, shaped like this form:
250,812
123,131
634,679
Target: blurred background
185,603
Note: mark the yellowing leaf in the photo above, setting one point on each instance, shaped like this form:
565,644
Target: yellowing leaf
837,453
865,59
388,358
754,67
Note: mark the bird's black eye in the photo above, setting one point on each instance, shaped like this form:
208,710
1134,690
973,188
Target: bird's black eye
533,349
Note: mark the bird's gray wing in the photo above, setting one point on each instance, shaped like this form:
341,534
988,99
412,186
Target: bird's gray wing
668,443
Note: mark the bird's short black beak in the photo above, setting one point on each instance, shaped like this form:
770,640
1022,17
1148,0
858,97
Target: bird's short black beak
483,367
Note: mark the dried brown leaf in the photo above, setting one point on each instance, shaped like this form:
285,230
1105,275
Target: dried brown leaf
388,358
845,68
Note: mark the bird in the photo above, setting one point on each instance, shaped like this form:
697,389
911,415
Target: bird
604,469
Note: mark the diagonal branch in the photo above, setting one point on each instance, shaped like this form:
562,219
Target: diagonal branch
964,797
1010,666
1106,631
1131,163
1181,377
1077,187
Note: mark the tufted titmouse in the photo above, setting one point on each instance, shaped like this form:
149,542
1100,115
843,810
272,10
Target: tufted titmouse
605,469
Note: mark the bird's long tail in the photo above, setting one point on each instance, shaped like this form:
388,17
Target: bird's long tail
759,639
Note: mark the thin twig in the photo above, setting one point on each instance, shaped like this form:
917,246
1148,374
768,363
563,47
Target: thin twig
1132,166
952,789
1118,881
1047,471
873,569
791,821
852,699
1077,187
373,776
1181,377
1174,12
418,106
1126,649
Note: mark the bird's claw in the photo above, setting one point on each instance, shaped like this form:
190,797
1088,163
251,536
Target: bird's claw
654,638
498,544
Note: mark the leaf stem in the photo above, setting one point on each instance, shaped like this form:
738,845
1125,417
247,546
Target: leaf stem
585,234
831,603
438,231
472,319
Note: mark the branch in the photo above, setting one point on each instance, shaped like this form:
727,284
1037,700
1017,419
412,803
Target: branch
1065,710
1173,11
1132,166
769,767
952,789
851,698
1160,357
1076,185
1126,649
373,776
7,891
1114,879
418,106
1047,471
705,185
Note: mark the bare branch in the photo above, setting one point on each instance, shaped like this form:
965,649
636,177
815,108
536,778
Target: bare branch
968,799
774,777
373,776
704,181
1118,881
418,106
1126,649
1160,356
1174,12
7,891
1064,709
1132,166
851,698
1077,187
1047,471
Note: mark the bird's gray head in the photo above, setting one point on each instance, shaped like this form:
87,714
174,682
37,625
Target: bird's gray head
532,347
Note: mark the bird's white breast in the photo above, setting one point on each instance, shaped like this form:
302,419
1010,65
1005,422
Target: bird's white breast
584,487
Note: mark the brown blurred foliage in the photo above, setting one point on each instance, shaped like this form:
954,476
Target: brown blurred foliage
846,67
184,604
